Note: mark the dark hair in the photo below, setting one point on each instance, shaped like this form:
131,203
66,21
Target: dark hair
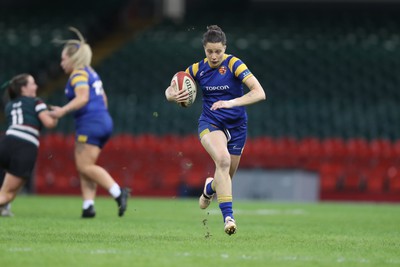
214,34
15,85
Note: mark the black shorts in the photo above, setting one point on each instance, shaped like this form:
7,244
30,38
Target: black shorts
17,156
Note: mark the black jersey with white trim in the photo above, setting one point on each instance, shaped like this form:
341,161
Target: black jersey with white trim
23,118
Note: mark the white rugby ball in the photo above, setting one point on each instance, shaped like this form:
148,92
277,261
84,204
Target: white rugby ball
184,81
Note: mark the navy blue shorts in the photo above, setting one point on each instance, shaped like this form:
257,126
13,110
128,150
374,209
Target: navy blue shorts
95,132
236,136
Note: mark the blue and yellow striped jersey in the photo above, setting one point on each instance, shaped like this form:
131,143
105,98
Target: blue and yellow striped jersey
87,77
222,83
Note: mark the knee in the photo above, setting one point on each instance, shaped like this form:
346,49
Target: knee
223,162
82,168
79,168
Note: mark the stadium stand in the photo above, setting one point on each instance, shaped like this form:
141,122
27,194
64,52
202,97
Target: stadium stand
26,36
332,85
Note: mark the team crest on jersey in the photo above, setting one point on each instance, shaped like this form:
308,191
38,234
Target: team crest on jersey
222,70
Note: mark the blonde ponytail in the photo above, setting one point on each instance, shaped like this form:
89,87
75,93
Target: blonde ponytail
79,51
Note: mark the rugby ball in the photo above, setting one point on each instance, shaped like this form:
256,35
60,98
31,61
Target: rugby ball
184,81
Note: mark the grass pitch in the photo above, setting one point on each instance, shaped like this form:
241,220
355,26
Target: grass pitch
48,231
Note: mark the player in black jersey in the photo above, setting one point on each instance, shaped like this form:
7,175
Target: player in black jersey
26,115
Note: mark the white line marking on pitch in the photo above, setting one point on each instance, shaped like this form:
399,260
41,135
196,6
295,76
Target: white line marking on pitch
19,249
104,251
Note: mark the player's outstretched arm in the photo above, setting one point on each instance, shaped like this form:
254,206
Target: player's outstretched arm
255,95
81,99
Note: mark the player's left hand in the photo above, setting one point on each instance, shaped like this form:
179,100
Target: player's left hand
56,112
222,104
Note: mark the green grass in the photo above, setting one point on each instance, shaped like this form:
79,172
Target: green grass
47,231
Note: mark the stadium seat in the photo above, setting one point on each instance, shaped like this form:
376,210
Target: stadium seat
353,178
310,153
334,149
330,176
358,150
393,174
381,149
324,112
375,183
376,179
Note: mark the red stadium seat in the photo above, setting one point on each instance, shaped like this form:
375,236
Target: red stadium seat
358,150
330,175
353,177
334,149
375,179
382,150
286,152
265,153
393,174
310,153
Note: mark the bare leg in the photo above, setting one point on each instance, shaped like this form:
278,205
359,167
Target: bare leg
91,175
10,188
88,188
235,159
85,159
215,144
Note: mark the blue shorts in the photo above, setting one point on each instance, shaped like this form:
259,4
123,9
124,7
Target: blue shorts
95,132
236,136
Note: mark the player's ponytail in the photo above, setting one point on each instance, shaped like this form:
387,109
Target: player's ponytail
5,86
4,94
79,51
214,34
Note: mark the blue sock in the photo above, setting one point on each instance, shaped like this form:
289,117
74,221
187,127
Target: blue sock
226,209
209,190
